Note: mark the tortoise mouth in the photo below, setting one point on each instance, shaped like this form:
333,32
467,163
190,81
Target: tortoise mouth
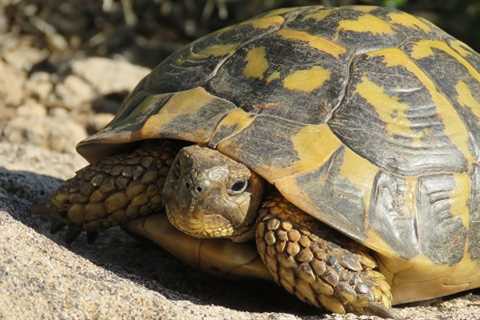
198,224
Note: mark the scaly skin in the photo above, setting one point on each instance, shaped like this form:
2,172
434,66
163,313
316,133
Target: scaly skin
300,254
117,189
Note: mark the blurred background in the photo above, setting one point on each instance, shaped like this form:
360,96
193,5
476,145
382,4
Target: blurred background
53,91
145,31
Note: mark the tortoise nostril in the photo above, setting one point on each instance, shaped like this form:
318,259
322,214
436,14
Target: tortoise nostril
187,185
199,189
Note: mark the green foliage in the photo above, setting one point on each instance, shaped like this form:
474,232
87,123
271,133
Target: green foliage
394,3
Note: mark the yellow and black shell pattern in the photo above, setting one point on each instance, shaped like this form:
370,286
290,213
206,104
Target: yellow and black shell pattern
366,118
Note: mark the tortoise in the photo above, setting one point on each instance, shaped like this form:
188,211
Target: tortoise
331,150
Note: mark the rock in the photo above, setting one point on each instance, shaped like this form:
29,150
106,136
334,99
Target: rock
31,108
22,160
94,80
39,85
74,92
21,53
108,76
59,113
18,157
6,114
11,85
45,111
57,132
98,121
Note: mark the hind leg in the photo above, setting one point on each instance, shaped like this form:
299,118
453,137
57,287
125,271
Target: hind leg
317,264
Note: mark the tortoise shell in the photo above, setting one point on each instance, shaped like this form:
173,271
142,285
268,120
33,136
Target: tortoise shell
364,117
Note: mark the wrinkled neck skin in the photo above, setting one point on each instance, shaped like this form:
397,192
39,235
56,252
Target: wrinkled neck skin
208,195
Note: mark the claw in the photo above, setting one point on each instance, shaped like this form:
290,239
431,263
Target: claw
72,234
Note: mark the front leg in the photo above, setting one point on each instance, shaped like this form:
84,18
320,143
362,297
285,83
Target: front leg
114,190
318,264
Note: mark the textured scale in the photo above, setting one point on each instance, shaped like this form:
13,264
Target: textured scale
318,271
364,117
116,189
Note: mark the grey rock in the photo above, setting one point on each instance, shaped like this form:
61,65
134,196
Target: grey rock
39,85
73,93
19,52
11,85
56,132
90,79
99,121
31,108
108,76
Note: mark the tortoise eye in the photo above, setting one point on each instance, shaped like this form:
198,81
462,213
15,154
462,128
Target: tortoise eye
238,186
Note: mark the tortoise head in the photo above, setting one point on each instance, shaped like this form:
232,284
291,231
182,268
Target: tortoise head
208,195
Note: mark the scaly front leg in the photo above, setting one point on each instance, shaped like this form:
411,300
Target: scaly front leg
114,190
317,264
